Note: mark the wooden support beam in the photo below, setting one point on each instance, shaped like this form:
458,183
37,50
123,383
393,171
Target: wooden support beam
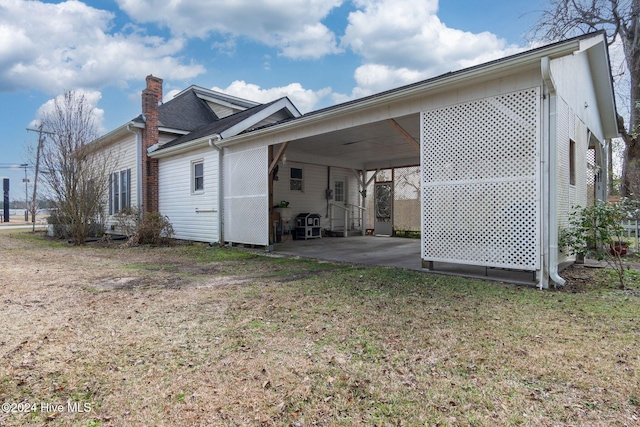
404,133
276,159
372,177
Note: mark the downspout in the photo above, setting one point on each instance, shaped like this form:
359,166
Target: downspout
138,166
551,145
212,144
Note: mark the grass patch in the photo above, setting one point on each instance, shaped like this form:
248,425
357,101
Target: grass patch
227,337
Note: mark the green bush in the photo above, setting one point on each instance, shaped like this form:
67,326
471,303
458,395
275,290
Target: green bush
595,231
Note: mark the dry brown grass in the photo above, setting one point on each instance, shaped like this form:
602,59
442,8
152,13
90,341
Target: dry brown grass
188,336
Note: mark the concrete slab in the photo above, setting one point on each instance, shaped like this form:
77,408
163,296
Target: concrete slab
368,250
391,252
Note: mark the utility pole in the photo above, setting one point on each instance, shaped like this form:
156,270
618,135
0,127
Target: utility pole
34,206
26,192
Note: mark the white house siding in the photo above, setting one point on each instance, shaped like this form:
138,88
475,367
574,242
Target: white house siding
125,154
313,198
573,80
570,127
577,114
481,181
163,138
194,216
221,110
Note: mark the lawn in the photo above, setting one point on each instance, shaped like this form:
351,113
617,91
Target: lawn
189,335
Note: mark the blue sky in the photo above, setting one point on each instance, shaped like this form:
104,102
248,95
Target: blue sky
317,52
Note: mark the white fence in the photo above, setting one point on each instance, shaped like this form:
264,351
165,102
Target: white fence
631,230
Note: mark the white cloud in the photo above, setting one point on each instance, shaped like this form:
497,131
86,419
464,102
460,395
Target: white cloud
92,97
403,41
304,99
52,47
292,26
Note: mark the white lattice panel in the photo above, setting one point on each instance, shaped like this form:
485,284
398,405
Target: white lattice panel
246,210
480,182
592,172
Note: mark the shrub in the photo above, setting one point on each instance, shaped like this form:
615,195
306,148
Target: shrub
595,231
154,229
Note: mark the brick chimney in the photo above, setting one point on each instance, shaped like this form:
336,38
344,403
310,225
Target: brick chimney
151,98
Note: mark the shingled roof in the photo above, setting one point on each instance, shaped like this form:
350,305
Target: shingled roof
184,112
218,126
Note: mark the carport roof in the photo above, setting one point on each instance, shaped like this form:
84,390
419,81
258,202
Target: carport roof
307,127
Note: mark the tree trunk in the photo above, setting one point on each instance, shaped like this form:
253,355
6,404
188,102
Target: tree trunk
631,165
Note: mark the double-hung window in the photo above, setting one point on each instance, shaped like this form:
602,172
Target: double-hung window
295,182
197,173
119,191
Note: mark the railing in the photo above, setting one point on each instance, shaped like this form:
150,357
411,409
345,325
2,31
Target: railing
348,215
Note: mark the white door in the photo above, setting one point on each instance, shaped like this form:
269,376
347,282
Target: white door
383,209
340,199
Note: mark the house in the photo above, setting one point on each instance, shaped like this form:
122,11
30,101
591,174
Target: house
196,111
490,160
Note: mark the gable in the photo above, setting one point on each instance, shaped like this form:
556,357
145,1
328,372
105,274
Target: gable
241,122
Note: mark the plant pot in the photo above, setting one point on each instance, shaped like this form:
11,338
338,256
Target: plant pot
618,248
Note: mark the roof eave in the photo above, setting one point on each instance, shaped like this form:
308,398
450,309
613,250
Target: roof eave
184,147
114,135
604,89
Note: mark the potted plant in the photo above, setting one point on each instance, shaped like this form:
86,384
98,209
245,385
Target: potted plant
285,210
618,247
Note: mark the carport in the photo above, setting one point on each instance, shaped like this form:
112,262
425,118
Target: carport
492,144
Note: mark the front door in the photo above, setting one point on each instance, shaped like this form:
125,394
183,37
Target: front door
383,209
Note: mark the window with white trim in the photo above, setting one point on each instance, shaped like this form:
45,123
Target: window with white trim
572,162
197,173
295,183
338,191
119,191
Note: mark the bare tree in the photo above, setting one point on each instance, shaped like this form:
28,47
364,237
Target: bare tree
619,18
75,174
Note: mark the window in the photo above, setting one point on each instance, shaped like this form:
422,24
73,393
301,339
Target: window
338,191
198,177
296,179
572,162
119,191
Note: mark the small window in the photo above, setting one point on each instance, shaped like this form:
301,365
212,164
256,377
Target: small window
124,190
572,162
296,179
338,191
198,176
116,192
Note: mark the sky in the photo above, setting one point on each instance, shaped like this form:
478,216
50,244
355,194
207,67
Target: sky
316,52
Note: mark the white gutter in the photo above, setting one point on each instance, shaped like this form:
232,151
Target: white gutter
184,147
551,178
215,138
